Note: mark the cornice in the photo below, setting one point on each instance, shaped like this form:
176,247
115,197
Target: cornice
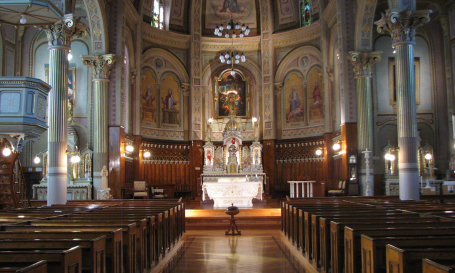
242,44
329,14
165,38
297,36
132,17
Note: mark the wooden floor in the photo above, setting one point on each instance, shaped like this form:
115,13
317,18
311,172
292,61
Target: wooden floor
208,249
253,251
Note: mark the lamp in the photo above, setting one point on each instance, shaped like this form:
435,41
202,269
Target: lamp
75,158
336,146
129,148
147,154
254,119
70,56
23,20
36,160
233,29
6,151
318,152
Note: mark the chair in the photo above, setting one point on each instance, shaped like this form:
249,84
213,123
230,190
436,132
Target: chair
140,189
157,193
340,191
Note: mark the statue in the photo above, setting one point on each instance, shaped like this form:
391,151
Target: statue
104,175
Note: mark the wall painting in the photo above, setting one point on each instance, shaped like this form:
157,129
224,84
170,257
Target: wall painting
315,96
148,98
170,100
294,100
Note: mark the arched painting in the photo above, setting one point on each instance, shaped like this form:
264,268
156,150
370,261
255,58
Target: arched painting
170,100
148,98
228,82
315,95
294,100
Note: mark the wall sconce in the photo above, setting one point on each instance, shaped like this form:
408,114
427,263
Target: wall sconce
254,119
428,156
129,148
336,146
210,120
36,160
318,152
147,154
6,151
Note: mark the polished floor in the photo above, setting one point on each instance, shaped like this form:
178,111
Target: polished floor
253,251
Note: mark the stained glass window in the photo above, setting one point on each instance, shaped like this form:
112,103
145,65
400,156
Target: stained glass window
158,14
305,13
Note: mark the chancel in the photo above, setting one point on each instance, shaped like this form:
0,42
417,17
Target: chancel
137,123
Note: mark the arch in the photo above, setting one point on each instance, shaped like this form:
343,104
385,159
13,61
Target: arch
128,38
179,68
282,70
214,67
364,25
1,53
96,17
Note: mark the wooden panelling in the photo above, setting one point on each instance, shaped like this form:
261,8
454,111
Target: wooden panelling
197,161
297,160
269,164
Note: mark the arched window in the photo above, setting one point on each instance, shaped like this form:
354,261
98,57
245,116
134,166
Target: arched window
158,14
305,13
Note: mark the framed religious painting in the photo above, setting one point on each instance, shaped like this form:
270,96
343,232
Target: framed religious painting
226,82
393,80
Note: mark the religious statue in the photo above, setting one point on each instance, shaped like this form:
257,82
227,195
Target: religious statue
104,175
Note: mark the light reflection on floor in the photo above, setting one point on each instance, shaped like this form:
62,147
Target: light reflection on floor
253,251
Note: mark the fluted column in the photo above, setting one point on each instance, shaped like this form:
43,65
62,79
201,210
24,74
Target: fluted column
101,66
363,63
402,26
59,40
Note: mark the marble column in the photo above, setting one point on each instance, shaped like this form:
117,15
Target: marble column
59,38
101,66
363,63
402,25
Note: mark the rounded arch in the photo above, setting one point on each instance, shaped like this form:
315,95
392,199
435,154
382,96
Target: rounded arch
214,67
283,67
178,67
128,38
96,17
365,25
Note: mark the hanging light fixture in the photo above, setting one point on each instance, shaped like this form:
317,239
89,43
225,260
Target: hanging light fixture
232,30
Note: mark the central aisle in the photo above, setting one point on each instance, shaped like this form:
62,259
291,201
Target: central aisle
253,251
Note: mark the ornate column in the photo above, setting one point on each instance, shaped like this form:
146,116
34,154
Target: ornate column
59,40
101,65
278,87
402,25
363,63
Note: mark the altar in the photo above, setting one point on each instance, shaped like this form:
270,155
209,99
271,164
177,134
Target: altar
233,172
238,189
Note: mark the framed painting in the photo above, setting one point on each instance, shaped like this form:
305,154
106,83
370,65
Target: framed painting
227,82
393,80
71,82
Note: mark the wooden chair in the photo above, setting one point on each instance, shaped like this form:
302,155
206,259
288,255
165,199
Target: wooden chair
140,189
157,193
340,191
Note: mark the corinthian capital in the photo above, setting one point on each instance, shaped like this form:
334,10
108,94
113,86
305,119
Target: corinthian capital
363,62
61,33
101,65
402,25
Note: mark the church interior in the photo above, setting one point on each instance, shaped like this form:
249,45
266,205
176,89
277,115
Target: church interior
151,127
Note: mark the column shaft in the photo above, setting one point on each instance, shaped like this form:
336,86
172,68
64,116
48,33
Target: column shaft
407,122
101,130
57,132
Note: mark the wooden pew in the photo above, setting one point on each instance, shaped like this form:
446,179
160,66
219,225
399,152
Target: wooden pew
128,230
324,245
38,267
403,260
93,250
438,266
352,245
62,261
373,248
114,242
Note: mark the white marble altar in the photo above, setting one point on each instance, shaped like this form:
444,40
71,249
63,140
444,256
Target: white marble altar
235,191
